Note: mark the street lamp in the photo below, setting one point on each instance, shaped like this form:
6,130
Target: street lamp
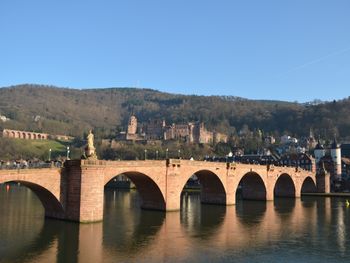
166,153
145,154
68,152
156,154
179,153
49,155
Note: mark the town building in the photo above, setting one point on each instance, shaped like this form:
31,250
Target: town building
302,160
269,140
345,167
286,139
345,150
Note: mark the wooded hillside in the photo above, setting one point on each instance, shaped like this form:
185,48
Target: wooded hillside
73,112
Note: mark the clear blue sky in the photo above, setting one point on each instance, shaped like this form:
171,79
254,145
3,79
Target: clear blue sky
271,49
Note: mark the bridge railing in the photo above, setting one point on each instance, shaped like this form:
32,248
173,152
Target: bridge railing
17,166
267,164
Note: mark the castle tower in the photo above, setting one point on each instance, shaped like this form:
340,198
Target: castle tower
336,157
319,152
132,125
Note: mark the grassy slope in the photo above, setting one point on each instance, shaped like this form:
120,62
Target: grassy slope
18,148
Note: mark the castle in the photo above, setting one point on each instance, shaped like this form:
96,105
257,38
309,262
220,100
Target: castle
192,132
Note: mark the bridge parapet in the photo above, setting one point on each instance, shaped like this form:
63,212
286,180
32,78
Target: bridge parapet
103,163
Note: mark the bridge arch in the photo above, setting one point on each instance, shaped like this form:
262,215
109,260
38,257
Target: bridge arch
52,206
252,187
151,195
212,188
308,185
284,186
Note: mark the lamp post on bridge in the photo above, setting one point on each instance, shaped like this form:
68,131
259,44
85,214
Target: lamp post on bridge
49,155
68,151
166,153
156,154
179,153
145,154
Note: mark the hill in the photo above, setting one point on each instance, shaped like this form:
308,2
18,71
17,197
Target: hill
72,111
15,149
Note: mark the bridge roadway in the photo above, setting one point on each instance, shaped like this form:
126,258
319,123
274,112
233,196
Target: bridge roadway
76,191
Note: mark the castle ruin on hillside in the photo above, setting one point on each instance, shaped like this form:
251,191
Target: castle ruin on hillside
192,132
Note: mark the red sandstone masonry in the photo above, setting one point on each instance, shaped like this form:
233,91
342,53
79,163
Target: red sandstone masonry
79,187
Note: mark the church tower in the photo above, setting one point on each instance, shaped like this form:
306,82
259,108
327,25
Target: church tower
336,157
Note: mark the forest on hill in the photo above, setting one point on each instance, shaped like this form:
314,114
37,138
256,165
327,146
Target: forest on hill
72,112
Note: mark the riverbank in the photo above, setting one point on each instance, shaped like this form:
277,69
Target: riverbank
327,194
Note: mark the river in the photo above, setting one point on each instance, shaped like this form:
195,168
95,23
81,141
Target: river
285,230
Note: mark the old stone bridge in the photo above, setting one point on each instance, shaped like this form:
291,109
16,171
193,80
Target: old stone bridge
76,191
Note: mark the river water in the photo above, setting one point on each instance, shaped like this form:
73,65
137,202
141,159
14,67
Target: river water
285,230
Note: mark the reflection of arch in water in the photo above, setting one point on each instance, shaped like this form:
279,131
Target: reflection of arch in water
251,187
203,220
284,186
36,234
308,186
52,206
212,189
284,206
52,230
141,225
151,195
250,212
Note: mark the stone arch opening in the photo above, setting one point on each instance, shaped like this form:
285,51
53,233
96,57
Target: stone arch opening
13,134
211,188
30,136
18,135
284,186
308,186
53,208
34,136
251,187
151,196
24,136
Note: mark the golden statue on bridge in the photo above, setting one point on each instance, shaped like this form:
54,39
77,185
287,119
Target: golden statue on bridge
89,148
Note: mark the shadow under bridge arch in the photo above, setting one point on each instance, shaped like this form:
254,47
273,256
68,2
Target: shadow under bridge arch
308,186
284,186
251,187
151,195
212,189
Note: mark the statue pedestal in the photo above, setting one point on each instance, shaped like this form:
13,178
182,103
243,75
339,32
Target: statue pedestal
90,153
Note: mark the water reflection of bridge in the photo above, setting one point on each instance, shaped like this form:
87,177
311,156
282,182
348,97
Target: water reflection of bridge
76,191
157,237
